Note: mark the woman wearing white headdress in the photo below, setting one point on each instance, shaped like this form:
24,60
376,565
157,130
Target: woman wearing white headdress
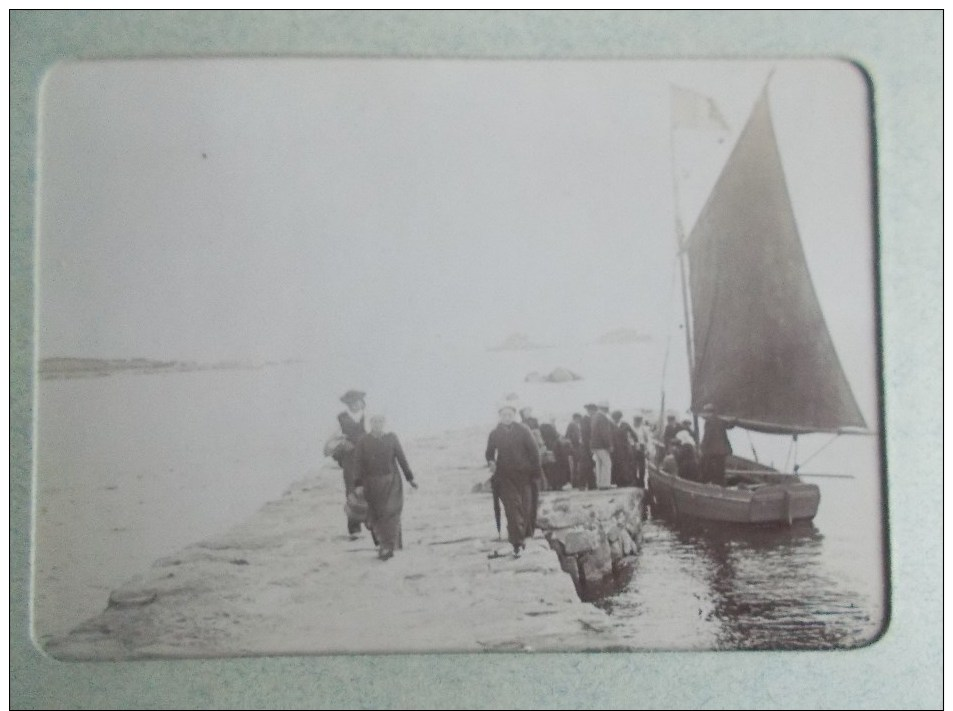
376,461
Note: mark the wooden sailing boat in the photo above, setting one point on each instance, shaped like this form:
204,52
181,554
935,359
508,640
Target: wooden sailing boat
759,348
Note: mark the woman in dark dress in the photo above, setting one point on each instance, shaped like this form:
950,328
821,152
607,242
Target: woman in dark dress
376,461
513,456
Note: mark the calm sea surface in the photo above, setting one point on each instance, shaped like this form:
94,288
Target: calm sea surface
133,467
701,585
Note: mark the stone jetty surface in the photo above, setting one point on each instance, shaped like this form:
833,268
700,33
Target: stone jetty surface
289,581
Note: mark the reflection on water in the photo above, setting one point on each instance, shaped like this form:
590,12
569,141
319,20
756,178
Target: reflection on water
699,585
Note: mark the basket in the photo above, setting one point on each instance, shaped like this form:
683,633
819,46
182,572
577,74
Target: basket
356,505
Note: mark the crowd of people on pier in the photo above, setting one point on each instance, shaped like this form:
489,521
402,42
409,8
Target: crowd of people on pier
598,450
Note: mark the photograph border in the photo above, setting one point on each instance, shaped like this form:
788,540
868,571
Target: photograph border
901,53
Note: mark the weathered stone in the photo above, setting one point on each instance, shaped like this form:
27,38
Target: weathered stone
628,545
550,518
569,564
596,564
578,540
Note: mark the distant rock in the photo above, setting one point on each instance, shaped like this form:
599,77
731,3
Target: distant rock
559,375
517,342
562,375
60,367
623,336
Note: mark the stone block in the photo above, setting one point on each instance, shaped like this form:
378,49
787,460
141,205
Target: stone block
578,540
569,564
628,545
596,564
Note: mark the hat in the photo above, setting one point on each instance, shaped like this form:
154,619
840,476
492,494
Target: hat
507,405
590,406
637,417
525,408
684,438
353,396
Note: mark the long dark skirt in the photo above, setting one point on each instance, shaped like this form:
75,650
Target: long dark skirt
713,468
623,468
584,469
558,472
516,494
385,502
349,470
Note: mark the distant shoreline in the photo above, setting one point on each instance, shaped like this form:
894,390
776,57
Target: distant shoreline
66,367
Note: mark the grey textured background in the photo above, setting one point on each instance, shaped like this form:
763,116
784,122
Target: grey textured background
902,53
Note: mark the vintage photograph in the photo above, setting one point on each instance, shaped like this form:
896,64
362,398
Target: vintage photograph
382,356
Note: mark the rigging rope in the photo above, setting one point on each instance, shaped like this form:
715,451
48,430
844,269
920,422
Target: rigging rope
753,450
787,458
826,445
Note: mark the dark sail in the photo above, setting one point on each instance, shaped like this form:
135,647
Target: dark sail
763,353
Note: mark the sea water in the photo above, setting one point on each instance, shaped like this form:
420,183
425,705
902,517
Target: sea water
131,467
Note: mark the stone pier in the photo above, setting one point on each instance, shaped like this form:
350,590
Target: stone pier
594,534
289,581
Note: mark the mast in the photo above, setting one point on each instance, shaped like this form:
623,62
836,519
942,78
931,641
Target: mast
680,243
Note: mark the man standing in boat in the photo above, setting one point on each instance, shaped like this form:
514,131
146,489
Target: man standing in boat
715,447
342,443
671,429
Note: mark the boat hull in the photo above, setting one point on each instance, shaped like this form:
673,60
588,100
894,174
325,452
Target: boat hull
777,499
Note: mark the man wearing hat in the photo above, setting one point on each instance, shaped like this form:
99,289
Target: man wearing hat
601,443
350,429
671,429
715,447
513,458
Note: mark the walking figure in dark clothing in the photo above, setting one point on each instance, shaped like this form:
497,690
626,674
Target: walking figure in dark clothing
376,461
513,457
342,443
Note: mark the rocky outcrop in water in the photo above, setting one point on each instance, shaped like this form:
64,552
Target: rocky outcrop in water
559,375
517,342
623,336
595,535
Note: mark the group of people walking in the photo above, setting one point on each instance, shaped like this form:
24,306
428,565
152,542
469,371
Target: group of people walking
599,450
372,462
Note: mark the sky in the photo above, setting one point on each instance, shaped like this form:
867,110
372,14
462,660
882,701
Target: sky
269,209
